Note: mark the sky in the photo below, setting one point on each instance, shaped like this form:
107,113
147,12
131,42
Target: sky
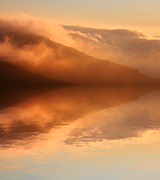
140,15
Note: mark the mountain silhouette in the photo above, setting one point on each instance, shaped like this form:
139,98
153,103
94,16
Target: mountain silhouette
70,65
14,75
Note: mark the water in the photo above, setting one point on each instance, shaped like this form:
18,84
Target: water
80,133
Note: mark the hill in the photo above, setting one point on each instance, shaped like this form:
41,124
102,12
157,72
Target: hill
70,65
11,74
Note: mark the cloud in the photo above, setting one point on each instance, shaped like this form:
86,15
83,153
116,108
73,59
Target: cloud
131,48
27,24
34,44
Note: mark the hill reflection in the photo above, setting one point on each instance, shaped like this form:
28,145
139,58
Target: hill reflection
101,112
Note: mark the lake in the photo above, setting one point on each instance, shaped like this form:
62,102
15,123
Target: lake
80,133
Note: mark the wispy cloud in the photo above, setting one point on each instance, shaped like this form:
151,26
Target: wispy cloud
31,43
27,24
132,48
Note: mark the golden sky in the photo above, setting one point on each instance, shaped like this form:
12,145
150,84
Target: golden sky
141,15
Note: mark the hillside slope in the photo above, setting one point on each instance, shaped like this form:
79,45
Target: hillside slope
11,74
68,64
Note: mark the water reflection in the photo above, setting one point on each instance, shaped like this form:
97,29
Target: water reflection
91,113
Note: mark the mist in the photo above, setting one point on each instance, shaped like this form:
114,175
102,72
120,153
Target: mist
123,46
36,44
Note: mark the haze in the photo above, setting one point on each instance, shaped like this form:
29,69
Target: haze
131,48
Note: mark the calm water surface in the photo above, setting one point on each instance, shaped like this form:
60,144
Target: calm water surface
80,133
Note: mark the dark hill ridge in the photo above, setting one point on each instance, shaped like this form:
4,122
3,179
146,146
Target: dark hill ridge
70,65
11,74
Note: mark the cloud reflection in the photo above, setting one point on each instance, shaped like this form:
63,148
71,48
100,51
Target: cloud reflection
100,112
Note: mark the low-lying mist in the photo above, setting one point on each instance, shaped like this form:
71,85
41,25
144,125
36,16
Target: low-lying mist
34,44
